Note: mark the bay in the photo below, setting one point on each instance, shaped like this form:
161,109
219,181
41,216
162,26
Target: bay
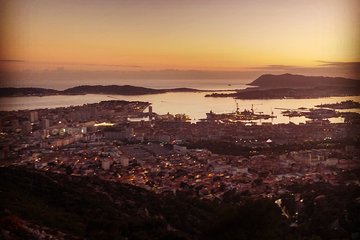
193,104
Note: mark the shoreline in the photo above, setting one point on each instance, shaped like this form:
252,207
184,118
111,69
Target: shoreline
289,93
121,90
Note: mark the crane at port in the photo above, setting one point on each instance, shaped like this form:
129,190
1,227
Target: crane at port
252,107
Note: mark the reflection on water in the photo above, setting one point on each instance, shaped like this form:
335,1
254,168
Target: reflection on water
193,104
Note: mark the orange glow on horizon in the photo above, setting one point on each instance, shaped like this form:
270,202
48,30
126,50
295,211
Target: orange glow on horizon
226,35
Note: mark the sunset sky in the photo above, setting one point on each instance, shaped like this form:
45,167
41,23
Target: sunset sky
230,35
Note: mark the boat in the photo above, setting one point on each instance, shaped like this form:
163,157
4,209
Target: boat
246,115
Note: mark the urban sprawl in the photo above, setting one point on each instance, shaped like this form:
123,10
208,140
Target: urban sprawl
127,142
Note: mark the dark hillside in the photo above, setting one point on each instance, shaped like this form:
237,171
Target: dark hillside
299,81
90,208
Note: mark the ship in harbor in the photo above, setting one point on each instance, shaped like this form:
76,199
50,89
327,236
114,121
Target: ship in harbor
246,115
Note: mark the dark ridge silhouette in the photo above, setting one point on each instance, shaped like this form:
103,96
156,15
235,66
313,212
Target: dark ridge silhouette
87,89
73,207
122,90
111,89
4,92
300,81
287,85
297,93
91,208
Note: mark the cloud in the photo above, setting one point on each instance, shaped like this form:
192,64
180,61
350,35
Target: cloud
322,68
339,64
277,67
120,71
103,65
352,68
12,61
67,63
321,64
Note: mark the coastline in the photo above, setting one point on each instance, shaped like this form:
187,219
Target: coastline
125,90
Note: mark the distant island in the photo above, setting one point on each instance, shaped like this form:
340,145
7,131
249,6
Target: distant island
270,86
87,89
267,86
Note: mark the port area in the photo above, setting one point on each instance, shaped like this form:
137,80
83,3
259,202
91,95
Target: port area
326,111
245,115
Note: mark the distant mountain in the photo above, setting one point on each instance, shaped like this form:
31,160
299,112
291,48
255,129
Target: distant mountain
287,85
5,92
87,89
185,90
121,90
111,89
299,81
297,93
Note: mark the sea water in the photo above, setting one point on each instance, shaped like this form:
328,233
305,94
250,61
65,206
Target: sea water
193,104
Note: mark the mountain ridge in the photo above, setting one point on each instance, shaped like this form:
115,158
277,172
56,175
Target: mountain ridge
90,89
301,81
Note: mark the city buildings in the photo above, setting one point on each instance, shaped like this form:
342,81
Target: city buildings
166,153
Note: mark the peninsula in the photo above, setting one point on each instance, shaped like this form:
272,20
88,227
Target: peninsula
287,85
88,89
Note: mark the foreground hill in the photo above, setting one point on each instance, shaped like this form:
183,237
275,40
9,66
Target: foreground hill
87,207
299,81
43,205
